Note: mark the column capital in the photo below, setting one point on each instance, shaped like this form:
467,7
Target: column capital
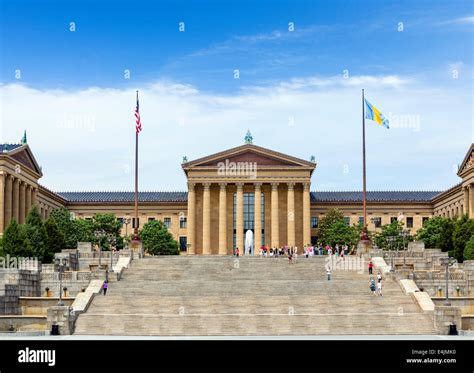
223,186
206,185
306,186
191,186
290,186
275,186
240,186
257,185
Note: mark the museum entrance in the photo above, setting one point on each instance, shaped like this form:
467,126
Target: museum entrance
249,224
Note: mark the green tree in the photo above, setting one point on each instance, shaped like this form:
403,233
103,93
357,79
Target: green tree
463,231
55,238
36,236
108,224
469,249
437,233
84,230
341,233
68,226
13,241
394,229
325,230
157,240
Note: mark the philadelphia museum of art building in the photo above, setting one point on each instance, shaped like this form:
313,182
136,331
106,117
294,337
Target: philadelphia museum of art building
229,193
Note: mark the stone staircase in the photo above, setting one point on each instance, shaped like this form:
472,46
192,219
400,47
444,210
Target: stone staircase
201,296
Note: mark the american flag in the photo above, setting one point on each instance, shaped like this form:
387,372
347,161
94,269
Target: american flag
137,117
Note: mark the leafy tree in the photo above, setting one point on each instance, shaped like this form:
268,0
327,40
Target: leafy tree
157,240
36,236
110,227
463,231
395,230
13,241
469,249
84,230
340,233
333,216
68,226
437,233
55,238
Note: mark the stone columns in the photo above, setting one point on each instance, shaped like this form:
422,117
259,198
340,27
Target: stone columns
239,224
16,200
257,237
275,233
223,219
471,201
291,215
191,220
8,199
465,206
206,220
27,199
21,209
2,200
306,214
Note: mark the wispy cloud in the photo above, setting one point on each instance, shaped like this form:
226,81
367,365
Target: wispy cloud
84,139
467,20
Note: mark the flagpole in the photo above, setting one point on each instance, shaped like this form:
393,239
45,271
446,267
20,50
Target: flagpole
135,232
363,165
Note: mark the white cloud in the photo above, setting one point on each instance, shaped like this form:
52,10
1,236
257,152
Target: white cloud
85,139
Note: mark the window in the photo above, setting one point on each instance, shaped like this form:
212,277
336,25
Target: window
167,222
393,219
134,225
361,220
120,220
377,222
249,216
151,219
314,221
182,222
409,222
425,219
347,220
183,243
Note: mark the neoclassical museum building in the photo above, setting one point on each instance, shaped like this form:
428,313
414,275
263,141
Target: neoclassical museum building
229,193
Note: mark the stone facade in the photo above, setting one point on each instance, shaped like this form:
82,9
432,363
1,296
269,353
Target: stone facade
216,206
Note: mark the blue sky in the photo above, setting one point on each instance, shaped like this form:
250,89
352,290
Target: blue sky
298,91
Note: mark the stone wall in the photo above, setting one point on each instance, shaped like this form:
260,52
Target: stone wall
74,281
444,316
9,304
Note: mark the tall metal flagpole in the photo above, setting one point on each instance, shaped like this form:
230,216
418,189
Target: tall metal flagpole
363,166
135,232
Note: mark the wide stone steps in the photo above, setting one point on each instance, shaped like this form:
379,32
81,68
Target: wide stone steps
253,324
260,296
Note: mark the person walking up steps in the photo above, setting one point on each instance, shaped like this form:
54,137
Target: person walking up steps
104,287
371,266
379,287
328,272
372,285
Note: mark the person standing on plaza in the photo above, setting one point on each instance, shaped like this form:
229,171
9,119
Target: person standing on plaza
371,266
328,272
237,252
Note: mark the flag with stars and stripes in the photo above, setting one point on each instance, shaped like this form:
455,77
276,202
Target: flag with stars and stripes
138,125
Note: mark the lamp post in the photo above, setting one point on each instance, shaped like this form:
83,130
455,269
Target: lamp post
61,265
126,221
404,233
390,240
447,262
99,236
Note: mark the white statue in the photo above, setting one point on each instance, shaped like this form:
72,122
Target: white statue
248,242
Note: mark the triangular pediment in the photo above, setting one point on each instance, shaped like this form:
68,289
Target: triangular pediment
468,162
249,153
24,156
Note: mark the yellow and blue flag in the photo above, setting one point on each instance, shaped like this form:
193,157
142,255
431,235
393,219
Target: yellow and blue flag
371,112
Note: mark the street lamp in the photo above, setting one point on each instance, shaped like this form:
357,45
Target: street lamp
447,262
404,233
126,221
390,240
61,265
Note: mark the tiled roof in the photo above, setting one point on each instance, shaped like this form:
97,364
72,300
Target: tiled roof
374,196
8,147
124,196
